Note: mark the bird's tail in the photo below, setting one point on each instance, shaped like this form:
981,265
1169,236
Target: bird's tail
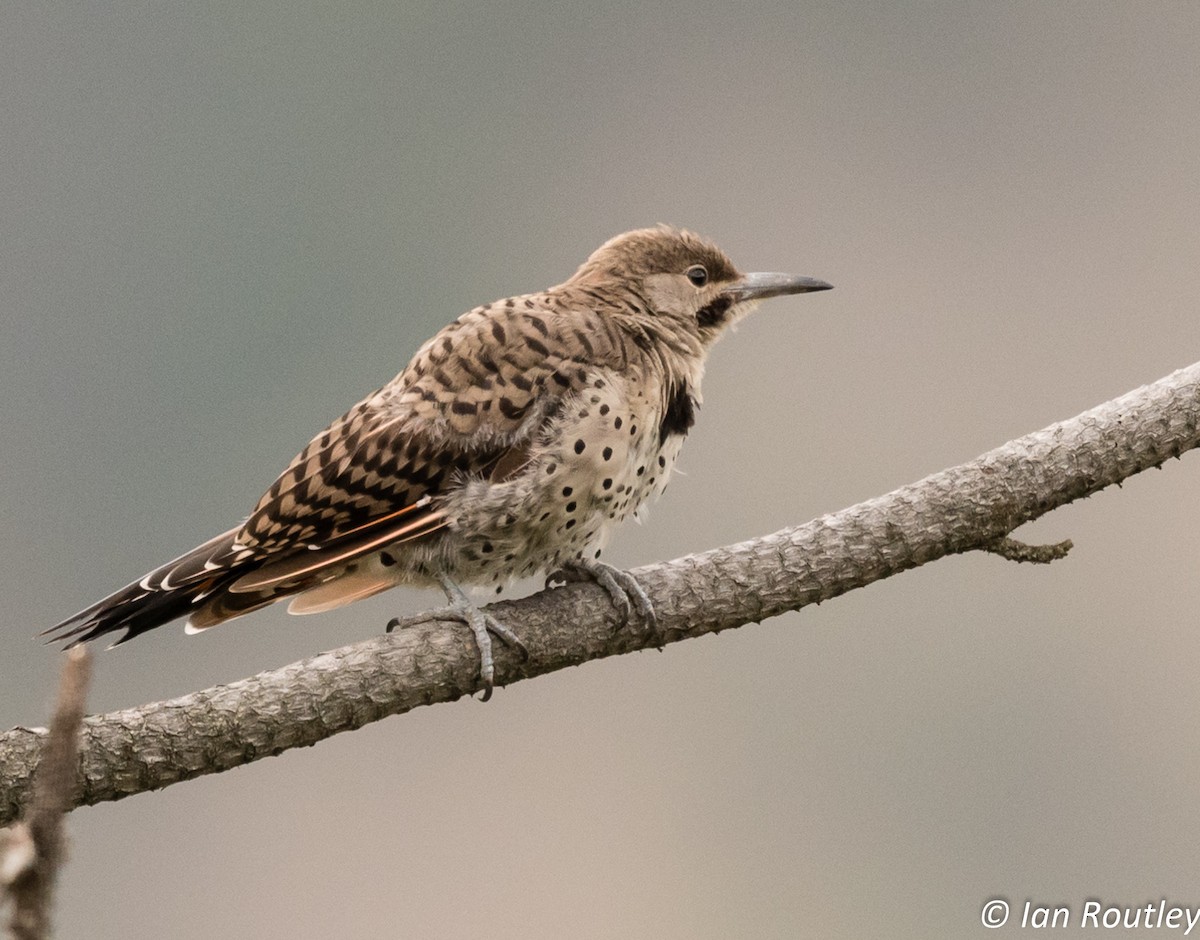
174,590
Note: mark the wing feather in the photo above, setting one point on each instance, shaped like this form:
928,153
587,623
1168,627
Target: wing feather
301,567
476,391
472,402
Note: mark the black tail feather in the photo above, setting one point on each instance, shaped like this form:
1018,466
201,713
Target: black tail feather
132,609
165,594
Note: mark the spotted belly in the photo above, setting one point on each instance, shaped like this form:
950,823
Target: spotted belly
609,449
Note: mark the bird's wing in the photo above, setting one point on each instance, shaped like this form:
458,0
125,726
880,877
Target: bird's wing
473,397
471,402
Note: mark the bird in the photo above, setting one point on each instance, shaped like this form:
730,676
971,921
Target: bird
511,445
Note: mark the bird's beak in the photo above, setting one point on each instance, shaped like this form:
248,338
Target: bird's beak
761,285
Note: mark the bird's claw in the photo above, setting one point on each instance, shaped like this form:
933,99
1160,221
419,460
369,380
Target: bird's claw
622,587
461,610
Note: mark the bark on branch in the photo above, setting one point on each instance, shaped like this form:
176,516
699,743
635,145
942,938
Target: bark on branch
970,507
33,850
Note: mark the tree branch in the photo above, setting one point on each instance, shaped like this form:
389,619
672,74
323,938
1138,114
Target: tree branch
32,851
970,507
1014,550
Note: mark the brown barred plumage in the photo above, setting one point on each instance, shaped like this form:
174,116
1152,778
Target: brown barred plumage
509,446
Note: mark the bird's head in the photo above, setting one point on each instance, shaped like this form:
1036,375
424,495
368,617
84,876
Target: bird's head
685,283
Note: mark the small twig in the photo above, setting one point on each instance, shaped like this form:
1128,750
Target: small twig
32,851
1014,550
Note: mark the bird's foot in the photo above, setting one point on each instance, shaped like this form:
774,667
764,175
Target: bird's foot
462,610
622,587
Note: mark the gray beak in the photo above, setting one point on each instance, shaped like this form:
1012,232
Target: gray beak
761,285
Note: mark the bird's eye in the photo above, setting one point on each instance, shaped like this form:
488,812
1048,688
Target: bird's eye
697,275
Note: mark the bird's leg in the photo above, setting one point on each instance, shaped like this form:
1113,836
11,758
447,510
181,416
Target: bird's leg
462,610
622,587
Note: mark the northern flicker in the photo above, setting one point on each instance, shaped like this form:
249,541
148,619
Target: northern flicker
511,445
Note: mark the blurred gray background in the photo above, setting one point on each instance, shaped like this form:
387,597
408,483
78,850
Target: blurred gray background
224,223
